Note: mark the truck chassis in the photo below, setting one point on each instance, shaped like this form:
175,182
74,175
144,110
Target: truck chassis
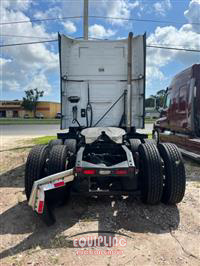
131,165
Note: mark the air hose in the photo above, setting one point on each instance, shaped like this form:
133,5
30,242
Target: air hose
89,110
75,112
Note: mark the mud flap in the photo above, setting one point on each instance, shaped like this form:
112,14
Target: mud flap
47,216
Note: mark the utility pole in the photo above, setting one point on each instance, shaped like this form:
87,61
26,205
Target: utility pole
85,20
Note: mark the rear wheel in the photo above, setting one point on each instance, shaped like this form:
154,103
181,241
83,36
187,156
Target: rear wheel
58,163
174,170
156,136
54,142
151,175
135,143
35,167
150,141
71,145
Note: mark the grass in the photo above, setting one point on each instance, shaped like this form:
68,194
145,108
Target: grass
34,121
46,139
30,121
149,121
32,142
43,140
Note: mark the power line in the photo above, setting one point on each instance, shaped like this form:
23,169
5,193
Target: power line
22,36
25,43
40,37
39,20
173,48
149,46
145,20
99,17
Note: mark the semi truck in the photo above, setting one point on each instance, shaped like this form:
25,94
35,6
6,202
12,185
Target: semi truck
179,120
100,152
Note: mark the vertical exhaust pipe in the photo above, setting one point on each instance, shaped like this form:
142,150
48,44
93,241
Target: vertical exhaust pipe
85,20
129,85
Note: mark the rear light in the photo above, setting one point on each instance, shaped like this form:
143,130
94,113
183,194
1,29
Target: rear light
89,172
40,206
78,169
59,184
121,172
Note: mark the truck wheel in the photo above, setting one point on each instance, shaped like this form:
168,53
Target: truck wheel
150,141
134,144
150,173
174,170
71,145
35,167
156,136
54,142
57,163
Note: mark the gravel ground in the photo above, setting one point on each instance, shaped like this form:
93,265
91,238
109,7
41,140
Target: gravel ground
155,235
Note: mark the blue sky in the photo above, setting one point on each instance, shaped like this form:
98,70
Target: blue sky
29,66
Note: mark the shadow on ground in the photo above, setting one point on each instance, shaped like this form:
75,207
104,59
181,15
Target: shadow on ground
13,178
112,218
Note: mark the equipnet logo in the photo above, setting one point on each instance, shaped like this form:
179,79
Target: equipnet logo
94,241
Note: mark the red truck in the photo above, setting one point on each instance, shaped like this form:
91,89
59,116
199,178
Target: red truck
179,120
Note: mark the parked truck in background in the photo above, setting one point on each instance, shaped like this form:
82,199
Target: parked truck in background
99,152
179,120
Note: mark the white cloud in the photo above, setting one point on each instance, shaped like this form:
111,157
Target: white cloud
20,64
185,37
98,31
12,84
16,4
119,9
3,61
162,7
172,37
153,73
69,26
40,81
50,12
193,14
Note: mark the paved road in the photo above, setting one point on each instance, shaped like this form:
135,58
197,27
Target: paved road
29,130
42,130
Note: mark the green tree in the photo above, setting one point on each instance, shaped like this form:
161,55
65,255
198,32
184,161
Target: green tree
149,102
30,101
160,97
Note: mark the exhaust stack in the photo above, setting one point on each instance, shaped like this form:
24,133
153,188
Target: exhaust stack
129,85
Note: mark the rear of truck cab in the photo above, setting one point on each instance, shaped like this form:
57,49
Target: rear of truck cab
179,121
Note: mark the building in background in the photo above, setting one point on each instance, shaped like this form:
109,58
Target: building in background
14,109
151,113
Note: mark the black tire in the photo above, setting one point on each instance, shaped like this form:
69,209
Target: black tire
156,136
57,163
57,159
35,167
71,145
135,143
174,170
151,175
54,142
150,141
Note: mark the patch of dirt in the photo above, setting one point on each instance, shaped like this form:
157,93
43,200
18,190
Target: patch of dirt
155,235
